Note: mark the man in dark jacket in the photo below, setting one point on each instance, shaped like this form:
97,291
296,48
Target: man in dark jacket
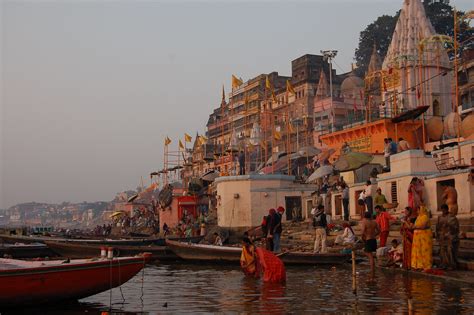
277,229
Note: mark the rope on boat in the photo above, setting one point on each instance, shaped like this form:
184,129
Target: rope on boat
119,281
143,280
110,282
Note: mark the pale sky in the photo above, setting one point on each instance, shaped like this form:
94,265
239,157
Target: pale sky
89,89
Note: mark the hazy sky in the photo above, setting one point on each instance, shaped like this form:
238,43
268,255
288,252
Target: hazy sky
89,89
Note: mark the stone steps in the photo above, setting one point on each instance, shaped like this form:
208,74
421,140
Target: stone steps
300,236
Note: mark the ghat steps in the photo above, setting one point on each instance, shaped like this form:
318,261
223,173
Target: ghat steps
300,236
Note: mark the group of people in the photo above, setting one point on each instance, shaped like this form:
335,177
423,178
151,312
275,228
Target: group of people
188,226
102,230
391,148
272,228
371,197
416,250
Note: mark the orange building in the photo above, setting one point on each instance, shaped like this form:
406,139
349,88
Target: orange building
370,137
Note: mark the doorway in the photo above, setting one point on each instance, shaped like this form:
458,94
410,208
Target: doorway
440,191
293,208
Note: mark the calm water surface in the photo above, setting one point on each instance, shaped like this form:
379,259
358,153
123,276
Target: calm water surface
196,289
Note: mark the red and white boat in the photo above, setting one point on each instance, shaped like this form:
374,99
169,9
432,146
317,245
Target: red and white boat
28,282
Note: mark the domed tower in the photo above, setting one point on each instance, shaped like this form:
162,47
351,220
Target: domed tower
351,88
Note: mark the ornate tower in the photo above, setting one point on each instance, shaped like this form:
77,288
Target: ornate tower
415,63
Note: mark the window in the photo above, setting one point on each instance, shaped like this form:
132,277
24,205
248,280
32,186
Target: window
436,108
393,191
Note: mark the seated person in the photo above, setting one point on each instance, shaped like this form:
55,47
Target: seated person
395,254
217,239
347,237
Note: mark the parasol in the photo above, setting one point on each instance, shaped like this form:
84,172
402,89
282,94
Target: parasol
309,151
275,157
410,114
117,213
320,172
210,176
352,161
132,198
324,155
277,167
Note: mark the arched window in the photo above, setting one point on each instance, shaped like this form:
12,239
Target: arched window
436,108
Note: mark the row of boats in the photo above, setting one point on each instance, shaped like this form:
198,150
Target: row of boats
91,266
165,249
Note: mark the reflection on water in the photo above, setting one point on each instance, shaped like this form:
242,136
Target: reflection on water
194,289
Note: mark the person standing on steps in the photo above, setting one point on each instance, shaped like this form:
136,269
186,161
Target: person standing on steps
320,225
345,201
369,195
370,231
447,233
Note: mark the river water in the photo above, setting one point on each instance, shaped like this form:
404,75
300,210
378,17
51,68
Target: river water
186,288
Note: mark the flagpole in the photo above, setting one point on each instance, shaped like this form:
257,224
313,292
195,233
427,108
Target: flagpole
420,95
456,85
288,150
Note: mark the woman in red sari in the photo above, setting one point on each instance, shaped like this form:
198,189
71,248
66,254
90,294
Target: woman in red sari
255,260
407,233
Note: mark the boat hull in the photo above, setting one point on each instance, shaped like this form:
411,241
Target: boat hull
129,241
53,283
221,254
77,250
208,253
25,251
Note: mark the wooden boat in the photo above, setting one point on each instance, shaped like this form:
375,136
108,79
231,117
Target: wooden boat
101,241
25,250
35,282
220,254
81,250
201,252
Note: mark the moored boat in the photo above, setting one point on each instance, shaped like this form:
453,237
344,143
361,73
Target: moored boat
25,250
217,254
39,282
80,250
104,241
201,252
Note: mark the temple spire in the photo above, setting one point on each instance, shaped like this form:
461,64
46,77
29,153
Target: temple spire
223,102
374,63
323,88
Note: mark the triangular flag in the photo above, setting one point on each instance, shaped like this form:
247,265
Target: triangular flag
418,92
267,83
187,137
277,135
181,146
236,82
289,88
290,128
167,140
